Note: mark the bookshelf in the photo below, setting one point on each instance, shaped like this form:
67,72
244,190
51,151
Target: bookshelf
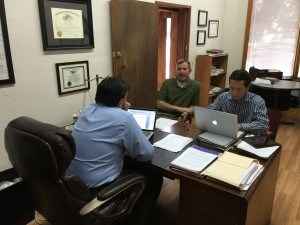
210,71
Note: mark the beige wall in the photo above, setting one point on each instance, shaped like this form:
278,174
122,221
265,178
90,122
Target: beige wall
35,92
234,30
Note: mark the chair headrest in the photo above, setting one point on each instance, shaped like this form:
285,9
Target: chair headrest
38,149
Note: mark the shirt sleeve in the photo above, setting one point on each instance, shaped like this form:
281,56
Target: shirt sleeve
260,121
136,144
216,105
163,92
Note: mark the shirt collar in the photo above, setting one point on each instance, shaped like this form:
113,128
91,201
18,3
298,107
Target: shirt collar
245,98
183,84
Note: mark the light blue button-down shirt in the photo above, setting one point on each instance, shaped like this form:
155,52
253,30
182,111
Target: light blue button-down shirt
103,135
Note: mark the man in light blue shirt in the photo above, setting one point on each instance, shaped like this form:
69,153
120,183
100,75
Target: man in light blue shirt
104,134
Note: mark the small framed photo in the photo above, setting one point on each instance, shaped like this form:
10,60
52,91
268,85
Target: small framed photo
66,24
202,18
6,66
72,77
213,28
201,37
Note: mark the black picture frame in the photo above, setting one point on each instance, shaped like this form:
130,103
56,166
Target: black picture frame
6,67
201,37
76,72
72,26
213,28
202,22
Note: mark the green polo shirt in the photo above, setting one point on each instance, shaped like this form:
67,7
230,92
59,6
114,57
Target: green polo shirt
171,93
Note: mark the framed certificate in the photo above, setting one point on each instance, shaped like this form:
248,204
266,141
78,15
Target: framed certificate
213,28
72,77
201,37
202,18
66,24
6,67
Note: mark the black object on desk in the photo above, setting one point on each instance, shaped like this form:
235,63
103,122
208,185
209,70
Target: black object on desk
257,141
255,72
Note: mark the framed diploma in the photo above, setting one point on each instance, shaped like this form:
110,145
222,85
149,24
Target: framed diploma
66,24
72,77
213,28
202,18
6,67
201,37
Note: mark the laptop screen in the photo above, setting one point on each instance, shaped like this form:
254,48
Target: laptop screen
144,118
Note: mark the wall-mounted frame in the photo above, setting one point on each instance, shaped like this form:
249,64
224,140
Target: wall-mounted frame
213,28
72,77
66,24
202,18
201,37
6,67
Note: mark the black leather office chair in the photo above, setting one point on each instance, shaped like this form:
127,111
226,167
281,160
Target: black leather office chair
255,72
41,153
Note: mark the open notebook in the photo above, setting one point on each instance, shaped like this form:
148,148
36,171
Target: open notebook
194,159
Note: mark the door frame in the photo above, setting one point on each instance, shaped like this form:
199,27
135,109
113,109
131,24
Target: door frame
186,33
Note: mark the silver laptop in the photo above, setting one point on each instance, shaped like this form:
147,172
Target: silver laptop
219,128
146,119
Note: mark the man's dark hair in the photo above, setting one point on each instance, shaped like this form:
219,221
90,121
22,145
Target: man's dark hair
241,75
110,91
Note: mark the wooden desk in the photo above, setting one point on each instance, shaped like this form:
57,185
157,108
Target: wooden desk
276,95
206,202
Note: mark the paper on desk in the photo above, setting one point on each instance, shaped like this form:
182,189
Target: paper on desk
239,133
163,123
261,81
261,152
252,178
173,142
194,160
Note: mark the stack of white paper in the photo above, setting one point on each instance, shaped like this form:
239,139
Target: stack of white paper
193,160
261,152
163,123
252,178
262,81
173,142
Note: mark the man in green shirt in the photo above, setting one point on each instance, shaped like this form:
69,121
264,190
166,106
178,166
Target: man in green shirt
178,95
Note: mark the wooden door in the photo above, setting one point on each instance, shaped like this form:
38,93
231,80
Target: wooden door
179,17
163,16
134,48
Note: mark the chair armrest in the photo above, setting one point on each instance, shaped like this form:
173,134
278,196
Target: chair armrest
130,184
122,183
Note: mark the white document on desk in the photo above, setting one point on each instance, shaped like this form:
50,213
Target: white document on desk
252,178
193,160
163,123
262,81
261,152
173,142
